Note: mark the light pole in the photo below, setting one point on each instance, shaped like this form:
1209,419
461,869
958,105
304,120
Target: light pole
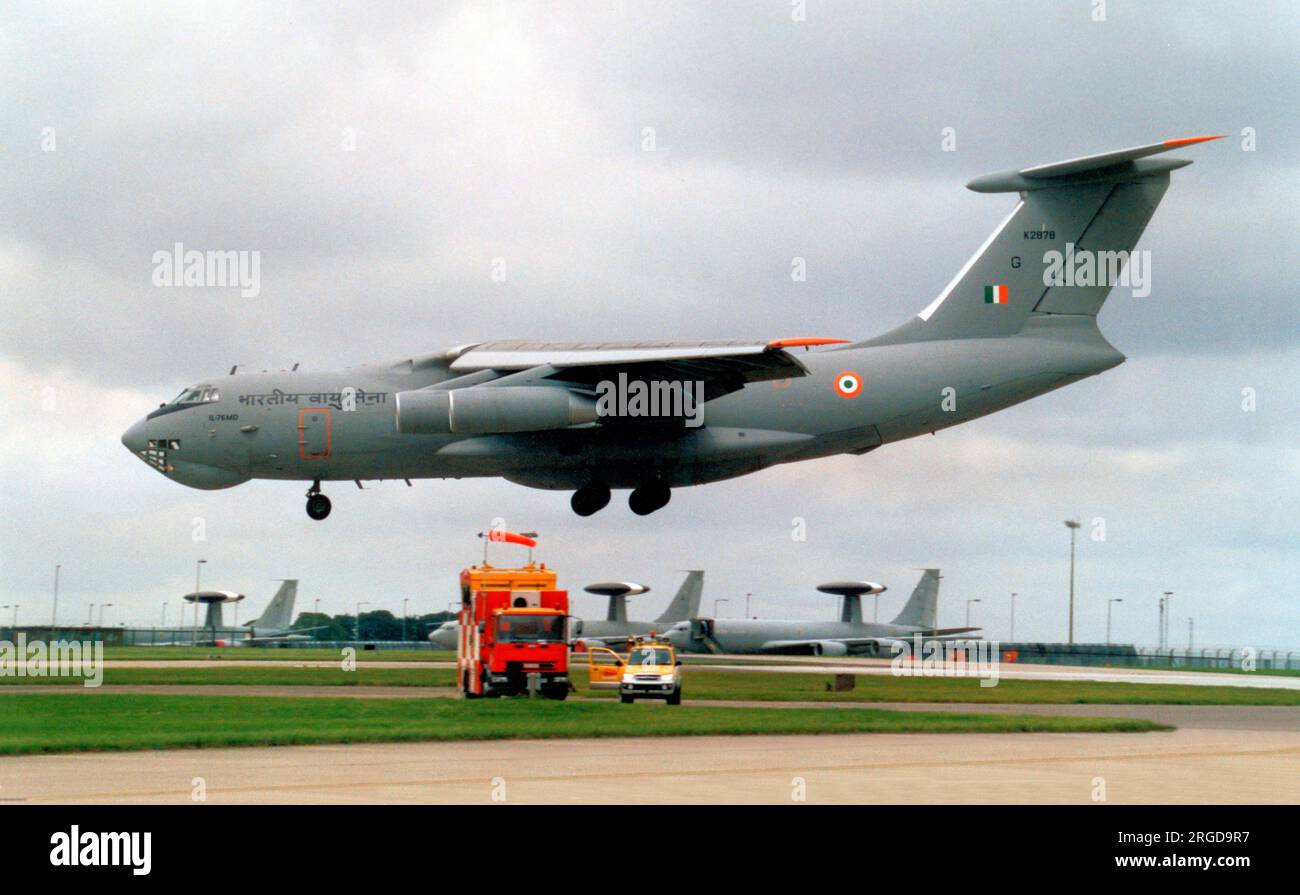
198,568
1073,525
747,596
316,607
90,614
1189,635
968,602
405,600
101,613
164,615
1013,617
54,613
1109,603
1164,618
359,605
716,602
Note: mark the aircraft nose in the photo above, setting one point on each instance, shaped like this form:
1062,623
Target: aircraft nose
134,437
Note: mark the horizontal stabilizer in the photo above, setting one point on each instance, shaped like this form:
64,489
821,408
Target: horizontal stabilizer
1105,166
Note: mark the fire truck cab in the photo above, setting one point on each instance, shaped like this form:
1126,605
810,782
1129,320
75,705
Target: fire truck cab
513,634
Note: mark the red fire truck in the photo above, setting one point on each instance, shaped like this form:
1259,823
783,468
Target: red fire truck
513,628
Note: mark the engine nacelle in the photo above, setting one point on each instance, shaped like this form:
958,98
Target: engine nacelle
489,411
829,648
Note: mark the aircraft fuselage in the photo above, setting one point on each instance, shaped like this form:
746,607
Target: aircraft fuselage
325,426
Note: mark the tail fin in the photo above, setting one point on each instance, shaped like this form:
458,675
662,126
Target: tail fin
922,607
279,612
1099,203
686,605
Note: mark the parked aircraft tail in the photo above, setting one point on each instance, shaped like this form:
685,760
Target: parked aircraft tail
1097,204
686,604
922,607
279,612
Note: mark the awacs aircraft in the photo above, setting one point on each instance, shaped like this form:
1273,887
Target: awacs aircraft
273,626
850,636
575,415
615,627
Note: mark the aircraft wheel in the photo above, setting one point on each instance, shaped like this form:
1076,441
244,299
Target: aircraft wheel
648,498
318,506
590,498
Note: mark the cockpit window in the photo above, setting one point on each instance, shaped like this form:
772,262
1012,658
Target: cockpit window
200,395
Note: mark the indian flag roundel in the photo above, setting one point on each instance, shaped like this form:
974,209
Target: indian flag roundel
848,384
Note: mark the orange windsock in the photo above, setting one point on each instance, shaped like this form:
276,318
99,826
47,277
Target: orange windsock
510,537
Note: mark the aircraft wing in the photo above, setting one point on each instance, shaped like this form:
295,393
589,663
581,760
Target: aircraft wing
843,646
609,641
854,646
723,366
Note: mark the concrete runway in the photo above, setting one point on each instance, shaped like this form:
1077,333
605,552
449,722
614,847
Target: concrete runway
818,665
1192,765
1218,754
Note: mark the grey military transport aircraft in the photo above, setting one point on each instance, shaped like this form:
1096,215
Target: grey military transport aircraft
542,414
849,636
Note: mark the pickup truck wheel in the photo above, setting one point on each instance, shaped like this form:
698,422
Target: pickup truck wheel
675,698
624,698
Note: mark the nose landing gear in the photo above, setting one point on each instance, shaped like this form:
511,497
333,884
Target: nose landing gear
590,498
649,497
318,505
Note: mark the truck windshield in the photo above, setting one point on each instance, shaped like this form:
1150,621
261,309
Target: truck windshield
529,628
648,655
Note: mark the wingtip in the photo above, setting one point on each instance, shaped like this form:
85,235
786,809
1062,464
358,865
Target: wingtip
1188,141
803,343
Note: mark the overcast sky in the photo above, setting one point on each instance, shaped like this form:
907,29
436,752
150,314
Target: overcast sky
380,157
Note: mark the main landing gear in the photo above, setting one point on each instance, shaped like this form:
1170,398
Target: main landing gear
594,496
649,497
590,498
318,505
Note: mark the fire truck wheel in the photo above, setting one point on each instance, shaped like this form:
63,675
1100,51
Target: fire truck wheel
676,697
464,687
556,691
624,698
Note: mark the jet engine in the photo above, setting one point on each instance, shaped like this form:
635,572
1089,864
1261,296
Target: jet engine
829,648
489,411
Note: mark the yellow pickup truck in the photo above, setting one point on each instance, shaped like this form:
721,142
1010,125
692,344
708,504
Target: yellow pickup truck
651,670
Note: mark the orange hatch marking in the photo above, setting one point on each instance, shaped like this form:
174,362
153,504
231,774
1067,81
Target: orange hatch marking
1187,141
804,343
